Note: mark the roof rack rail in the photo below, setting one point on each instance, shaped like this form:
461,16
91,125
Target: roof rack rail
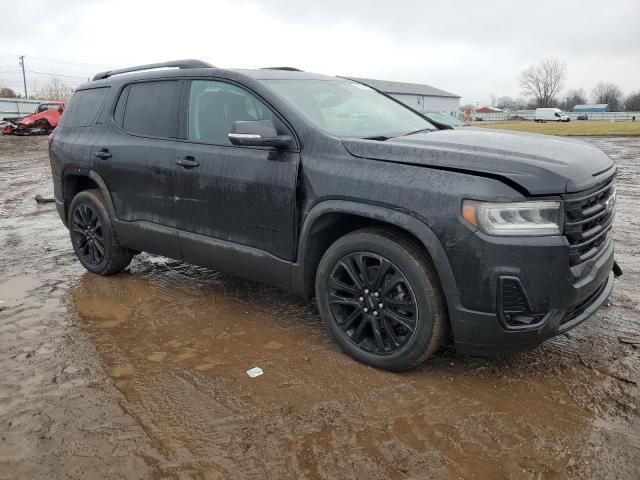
182,64
288,69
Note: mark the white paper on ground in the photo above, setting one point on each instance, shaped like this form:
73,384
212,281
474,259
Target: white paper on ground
255,372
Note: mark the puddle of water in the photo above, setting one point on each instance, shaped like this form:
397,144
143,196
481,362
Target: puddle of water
179,345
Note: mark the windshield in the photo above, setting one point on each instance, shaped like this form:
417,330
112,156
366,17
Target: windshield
47,106
445,119
349,109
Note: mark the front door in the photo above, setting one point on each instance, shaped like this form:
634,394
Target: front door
243,195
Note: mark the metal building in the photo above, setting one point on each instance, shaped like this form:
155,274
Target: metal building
423,98
592,107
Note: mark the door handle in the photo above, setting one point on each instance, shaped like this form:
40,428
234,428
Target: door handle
188,162
104,154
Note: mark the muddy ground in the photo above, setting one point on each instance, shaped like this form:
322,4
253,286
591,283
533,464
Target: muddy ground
142,375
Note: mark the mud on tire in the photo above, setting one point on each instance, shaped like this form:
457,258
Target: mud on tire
380,299
92,235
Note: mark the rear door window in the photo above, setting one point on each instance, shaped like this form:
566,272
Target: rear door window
149,109
84,106
214,106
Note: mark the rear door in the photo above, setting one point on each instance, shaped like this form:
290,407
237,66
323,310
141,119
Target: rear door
136,158
244,195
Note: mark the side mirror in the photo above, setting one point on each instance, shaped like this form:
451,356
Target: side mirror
258,133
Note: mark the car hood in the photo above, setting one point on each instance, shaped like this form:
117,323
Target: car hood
539,164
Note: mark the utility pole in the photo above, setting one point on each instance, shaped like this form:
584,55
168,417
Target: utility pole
24,78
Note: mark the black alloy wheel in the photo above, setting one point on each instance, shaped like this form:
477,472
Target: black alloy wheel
87,234
93,236
380,298
372,303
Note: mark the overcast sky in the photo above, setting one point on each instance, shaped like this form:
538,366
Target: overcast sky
472,48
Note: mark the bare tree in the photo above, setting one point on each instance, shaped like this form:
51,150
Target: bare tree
608,92
576,96
55,90
508,103
6,92
543,82
632,102
505,102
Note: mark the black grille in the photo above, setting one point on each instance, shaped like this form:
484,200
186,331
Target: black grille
588,221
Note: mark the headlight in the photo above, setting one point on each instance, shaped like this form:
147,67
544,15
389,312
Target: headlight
513,219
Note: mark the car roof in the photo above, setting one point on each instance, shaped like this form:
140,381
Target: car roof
255,74
279,74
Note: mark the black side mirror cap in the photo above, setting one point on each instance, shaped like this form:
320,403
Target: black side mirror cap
258,133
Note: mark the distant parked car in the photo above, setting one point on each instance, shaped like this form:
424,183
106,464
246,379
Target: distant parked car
445,121
551,115
43,121
583,116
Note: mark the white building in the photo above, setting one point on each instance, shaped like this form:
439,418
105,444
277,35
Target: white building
423,98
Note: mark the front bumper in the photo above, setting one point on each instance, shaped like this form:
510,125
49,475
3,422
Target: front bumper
560,296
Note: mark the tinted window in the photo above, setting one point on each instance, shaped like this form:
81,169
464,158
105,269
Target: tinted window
83,107
214,106
151,109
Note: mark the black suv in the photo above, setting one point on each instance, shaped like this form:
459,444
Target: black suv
405,232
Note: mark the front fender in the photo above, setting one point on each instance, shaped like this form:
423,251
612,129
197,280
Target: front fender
302,277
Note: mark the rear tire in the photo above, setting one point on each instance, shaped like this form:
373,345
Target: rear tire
92,235
380,299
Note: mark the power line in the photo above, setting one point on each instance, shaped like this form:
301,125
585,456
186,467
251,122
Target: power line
56,74
57,60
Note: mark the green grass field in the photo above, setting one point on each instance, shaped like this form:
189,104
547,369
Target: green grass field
573,128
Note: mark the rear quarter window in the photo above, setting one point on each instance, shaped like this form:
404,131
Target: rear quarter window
84,106
149,109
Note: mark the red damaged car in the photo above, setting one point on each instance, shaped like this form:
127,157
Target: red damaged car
43,121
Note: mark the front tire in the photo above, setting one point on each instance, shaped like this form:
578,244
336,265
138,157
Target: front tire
380,299
93,237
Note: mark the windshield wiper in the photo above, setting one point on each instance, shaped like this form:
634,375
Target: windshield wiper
418,131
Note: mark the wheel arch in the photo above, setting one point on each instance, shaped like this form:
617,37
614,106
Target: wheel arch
326,222
76,180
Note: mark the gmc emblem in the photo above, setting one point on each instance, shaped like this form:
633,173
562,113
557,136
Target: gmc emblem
610,202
